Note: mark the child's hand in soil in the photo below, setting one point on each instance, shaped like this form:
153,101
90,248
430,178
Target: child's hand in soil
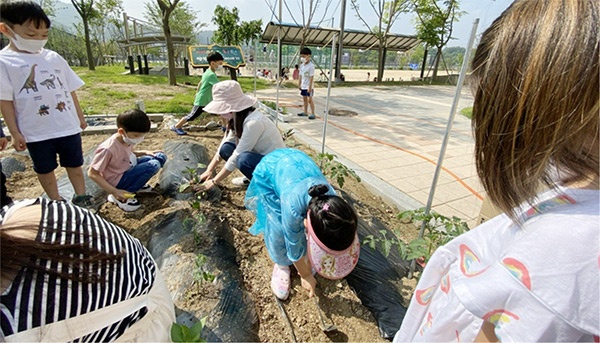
309,283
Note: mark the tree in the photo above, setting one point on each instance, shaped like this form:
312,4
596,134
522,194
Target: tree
230,31
67,45
387,12
250,31
108,18
184,21
454,56
435,20
166,9
49,7
307,10
86,10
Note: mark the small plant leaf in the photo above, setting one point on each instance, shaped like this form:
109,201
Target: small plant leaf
196,329
179,333
183,187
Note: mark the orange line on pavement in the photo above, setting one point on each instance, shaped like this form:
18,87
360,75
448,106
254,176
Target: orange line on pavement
456,177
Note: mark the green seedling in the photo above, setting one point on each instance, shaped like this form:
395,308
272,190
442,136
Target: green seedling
191,178
182,333
335,170
202,274
439,230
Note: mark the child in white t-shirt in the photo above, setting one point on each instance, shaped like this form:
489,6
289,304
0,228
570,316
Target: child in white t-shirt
306,82
38,100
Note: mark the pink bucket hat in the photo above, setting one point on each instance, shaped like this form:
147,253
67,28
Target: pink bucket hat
228,97
331,264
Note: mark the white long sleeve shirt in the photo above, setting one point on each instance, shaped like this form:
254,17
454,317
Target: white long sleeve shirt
260,135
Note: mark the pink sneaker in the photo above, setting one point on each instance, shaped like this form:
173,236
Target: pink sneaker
280,281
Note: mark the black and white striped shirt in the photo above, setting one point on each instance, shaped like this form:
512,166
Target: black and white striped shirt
36,298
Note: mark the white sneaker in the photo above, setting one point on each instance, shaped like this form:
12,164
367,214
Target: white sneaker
240,181
145,189
129,205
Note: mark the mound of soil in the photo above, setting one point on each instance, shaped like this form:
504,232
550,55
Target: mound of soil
339,303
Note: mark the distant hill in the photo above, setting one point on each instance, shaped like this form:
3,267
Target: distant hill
65,17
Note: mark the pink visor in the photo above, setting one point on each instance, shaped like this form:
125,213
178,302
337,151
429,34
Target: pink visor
331,264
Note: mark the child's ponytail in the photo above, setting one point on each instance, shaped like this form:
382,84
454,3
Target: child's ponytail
332,218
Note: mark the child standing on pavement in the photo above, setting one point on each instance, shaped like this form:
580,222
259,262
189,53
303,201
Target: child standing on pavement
204,91
118,169
306,82
38,100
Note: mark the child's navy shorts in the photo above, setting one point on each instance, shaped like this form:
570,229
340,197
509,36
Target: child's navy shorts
43,153
304,92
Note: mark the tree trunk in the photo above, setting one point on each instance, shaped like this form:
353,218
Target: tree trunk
436,64
88,45
381,63
170,50
424,63
233,74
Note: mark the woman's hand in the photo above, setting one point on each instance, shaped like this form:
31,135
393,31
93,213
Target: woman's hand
309,283
205,176
205,186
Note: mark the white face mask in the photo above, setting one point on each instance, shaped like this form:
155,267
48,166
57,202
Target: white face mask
302,59
228,116
132,141
219,67
30,45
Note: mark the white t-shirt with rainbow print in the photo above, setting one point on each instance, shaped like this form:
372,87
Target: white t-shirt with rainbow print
535,282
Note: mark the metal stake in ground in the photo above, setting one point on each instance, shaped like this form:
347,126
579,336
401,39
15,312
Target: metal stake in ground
325,327
287,319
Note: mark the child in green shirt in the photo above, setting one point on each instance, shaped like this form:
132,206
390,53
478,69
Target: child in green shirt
204,92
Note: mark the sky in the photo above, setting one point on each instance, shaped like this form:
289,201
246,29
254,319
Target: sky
485,10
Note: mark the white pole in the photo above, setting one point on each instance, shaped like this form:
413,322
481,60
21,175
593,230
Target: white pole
255,57
278,65
328,93
338,61
438,167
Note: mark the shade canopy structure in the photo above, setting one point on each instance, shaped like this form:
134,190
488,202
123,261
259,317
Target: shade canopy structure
291,34
153,40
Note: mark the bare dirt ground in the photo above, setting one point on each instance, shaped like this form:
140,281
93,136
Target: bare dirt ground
338,301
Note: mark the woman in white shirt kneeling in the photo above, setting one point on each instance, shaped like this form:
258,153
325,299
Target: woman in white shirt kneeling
249,135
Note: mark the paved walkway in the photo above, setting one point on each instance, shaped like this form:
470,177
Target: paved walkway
394,142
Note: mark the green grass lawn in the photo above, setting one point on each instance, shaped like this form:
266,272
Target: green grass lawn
467,112
111,90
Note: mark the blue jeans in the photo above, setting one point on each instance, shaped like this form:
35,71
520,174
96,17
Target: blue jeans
147,166
246,161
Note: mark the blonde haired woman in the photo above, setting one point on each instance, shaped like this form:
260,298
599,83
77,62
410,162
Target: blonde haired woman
530,274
